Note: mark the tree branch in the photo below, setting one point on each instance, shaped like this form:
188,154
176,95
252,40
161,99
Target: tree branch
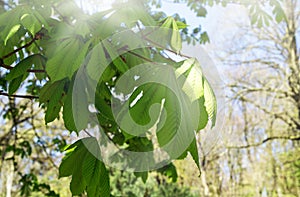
4,65
19,96
37,36
293,138
19,49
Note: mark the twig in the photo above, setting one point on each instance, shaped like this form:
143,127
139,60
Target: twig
19,49
36,71
37,36
5,66
142,57
293,138
88,133
19,96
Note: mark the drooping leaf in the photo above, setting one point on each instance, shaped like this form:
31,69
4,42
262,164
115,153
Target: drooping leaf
10,21
22,67
67,165
97,62
67,58
143,175
181,25
203,119
210,102
68,111
94,172
193,85
118,62
87,171
176,43
31,23
15,83
12,32
80,104
52,95
169,171
193,149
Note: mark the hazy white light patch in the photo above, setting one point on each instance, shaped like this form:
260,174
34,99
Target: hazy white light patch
93,6
136,77
109,14
174,56
92,108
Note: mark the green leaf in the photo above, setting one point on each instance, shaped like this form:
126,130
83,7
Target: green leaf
117,61
12,32
52,95
185,67
170,171
78,183
176,42
143,175
280,15
210,102
31,23
25,64
204,38
181,25
193,149
10,21
100,184
80,102
94,172
15,83
67,165
97,62
67,58
203,114
88,173
130,13
167,22
140,118
202,12
68,111
193,85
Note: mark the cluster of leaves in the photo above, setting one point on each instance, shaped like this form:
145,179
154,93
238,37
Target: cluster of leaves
127,184
29,183
261,12
43,45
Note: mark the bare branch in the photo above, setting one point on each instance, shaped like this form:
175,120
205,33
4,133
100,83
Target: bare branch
293,138
19,96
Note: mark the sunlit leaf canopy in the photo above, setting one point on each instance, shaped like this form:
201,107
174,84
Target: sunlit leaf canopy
71,58
81,62
47,47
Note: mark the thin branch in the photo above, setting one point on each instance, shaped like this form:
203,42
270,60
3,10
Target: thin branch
64,18
293,138
19,49
88,133
169,50
142,57
36,71
29,70
276,115
19,96
5,66
39,35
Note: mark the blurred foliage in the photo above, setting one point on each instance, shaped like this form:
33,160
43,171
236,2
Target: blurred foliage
127,184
